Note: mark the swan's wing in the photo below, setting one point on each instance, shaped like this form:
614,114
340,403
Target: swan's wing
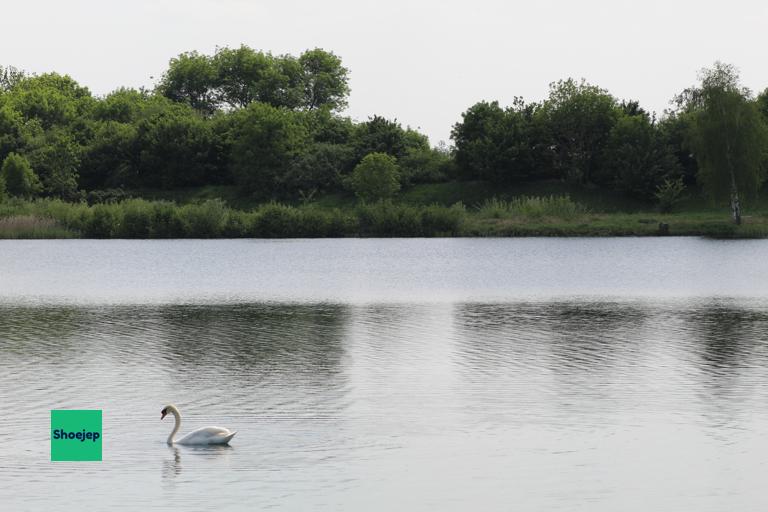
207,435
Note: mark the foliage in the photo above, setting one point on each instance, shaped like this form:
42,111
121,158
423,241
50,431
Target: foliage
496,144
237,77
425,165
190,79
51,99
669,194
55,155
637,159
376,177
255,128
579,118
384,218
533,207
178,150
324,80
728,136
380,135
18,177
266,142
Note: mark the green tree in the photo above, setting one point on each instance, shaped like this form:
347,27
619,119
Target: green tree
52,99
324,80
376,177
319,167
55,155
176,148
12,135
124,105
109,160
245,75
380,135
496,144
579,117
637,159
18,177
728,136
674,130
191,78
265,142
424,165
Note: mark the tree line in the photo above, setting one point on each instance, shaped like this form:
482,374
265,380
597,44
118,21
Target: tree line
268,124
714,137
271,125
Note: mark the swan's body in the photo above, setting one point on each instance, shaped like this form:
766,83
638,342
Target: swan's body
205,435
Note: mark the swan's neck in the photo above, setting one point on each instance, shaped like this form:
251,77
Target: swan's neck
176,427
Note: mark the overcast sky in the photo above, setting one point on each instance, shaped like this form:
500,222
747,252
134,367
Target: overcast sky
420,61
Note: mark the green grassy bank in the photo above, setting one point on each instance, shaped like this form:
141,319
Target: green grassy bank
196,216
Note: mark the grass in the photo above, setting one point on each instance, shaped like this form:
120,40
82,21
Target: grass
30,226
706,224
563,211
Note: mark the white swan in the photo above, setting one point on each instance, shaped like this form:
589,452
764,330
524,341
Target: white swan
205,435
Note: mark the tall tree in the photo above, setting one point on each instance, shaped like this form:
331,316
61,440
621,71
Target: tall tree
324,80
728,136
265,142
191,78
579,117
496,144
637,158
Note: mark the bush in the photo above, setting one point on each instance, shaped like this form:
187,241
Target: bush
20,180
137,219
387,219
205,220
274,220
376,177
438,220
669,194
166,221
102,223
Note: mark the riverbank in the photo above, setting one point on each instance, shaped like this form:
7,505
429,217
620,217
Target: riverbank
521,217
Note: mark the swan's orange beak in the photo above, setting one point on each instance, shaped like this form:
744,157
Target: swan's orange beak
163,413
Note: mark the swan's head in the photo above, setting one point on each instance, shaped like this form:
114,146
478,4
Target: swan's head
166,410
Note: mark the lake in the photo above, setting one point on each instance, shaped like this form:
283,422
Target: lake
407,374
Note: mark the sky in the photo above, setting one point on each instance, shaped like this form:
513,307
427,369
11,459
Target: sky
423,62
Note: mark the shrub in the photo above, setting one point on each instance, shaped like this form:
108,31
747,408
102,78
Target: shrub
20,180
205,220
438,220
166,221
376,177
274,220
137,218
102,223
669,194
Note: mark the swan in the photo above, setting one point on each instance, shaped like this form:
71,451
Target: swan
205,435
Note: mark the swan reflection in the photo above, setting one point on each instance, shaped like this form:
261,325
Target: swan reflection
172,466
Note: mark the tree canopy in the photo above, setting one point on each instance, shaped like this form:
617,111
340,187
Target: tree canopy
272,127
235,77
728,136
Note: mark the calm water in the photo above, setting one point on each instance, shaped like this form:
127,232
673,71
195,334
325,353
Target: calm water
534,374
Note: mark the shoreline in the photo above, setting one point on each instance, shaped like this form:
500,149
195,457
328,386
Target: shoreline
214,219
